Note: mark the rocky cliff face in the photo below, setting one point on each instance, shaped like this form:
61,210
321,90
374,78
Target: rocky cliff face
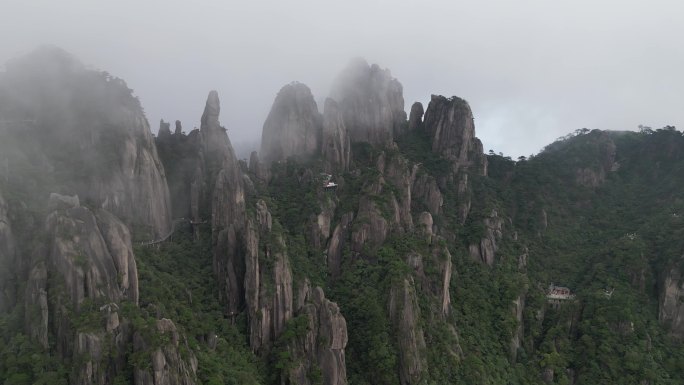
405,314
371,228
519,334
208,185
336,244
7,254
335,143
322,346
294,125
416,117
76,289
671,313
137,189
90,137
426,191
450,124
92,252
168,365
372,103
268,286
486,250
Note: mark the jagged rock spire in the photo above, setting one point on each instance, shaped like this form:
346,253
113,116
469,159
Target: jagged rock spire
416,116
211,112
450,124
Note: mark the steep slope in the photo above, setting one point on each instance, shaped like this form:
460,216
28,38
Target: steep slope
69,124
335,142
74,286
392,252
371,101
251,252
294,125
7,259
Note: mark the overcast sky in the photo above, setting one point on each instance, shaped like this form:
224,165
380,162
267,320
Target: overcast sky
532,70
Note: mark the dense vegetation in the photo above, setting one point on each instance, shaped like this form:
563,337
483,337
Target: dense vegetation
610,243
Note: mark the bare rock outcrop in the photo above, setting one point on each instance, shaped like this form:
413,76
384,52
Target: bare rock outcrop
425,224
321,224
322,346
337,243
401,174
450,124
416,117
92,252
91,131
443,258
293,127
386,203
87,267
258,168
370,226
268,286
485,250
426,191
228,205
371,101
519,333
164,129
405,315
671,309
169,367
37,312
7,255
335,143
225,196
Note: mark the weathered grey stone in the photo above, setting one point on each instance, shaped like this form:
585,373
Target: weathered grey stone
335,143
426,191
450,124
7,259
168,366
62,202
257,168
405,315
164,129
425,223
94,135
268,291
323,344
486,250
293,127
671,312
37,312
337,243
416,117
371,101
401,174
518,334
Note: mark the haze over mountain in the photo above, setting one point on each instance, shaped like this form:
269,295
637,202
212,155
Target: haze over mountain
358,246
532,70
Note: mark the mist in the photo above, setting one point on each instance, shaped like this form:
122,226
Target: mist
531,70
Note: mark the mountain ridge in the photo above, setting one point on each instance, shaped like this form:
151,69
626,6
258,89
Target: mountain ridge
427,261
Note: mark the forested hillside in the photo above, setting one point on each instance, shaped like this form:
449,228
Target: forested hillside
356,247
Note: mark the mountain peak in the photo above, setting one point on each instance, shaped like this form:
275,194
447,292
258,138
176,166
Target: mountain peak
371,101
